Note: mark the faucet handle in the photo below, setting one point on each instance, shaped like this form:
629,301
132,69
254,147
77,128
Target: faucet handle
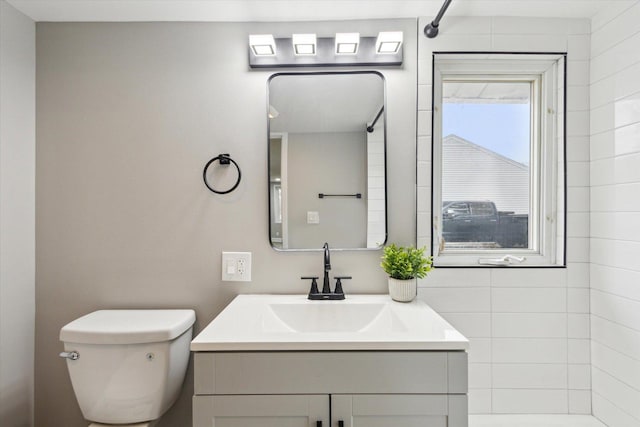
314,284
338,289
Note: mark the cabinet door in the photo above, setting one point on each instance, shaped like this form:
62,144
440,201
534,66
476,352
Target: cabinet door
261,411
398,410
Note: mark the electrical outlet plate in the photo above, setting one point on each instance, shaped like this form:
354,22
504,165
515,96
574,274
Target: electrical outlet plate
313,217
236,266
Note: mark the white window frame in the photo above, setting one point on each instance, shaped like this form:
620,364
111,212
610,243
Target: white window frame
547,186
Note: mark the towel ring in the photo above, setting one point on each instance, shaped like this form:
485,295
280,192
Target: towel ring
224,159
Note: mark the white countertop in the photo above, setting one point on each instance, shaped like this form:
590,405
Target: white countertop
360,322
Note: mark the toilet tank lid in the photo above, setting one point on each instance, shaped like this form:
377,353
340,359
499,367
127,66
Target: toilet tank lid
128,326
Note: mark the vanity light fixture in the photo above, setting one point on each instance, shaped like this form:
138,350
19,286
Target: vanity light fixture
304,44
347,43
388,42
337,50
262,44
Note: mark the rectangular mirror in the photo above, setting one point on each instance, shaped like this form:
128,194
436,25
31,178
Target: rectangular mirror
327,164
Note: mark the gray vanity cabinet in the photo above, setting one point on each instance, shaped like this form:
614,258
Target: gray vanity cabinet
292,410
359,388
260,411
393,410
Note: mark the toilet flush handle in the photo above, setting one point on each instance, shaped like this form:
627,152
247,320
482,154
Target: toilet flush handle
73,355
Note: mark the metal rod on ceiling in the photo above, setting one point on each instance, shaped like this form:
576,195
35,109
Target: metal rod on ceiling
370,128
431,30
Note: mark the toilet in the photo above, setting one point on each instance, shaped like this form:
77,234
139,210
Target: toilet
127,366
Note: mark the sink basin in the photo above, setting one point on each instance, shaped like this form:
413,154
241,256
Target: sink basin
360,322
323,317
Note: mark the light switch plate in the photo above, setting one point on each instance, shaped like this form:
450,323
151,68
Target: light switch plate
236,266
313,217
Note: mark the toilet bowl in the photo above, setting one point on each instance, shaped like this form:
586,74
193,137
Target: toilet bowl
127,367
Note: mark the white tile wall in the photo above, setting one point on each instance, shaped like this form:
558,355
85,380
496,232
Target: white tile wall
529,325
529,300
580,401
578,325
613,415
616,281
457,300
534,420
529,328
578,199
617,391
615,217
616,364
579,351
580,377
530,376
544,401
627,139
529,350
376,224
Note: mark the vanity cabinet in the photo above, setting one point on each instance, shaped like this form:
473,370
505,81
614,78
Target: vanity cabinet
357,388
394,410
365,410
261,411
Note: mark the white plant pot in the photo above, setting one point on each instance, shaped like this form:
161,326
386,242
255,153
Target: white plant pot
403,290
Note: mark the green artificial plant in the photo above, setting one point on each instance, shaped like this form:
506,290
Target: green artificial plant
405,263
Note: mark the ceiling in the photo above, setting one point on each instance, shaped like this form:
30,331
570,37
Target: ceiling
298,10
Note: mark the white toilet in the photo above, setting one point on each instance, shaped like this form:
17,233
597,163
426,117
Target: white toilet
127,366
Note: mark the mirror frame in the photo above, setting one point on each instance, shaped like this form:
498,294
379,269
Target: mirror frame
384,117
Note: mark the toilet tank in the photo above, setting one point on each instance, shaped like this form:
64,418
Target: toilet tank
131,363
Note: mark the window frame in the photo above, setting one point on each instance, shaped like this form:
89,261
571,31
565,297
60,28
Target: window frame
547,198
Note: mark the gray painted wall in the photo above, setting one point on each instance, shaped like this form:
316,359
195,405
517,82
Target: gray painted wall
17,216
331,163
127,116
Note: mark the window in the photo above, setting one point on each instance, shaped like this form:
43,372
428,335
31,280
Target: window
498,159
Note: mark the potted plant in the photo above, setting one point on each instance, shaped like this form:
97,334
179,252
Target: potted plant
405,265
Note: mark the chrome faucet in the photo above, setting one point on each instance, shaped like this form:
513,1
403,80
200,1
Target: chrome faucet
327,266
326,294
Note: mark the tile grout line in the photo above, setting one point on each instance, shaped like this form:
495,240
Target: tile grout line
567,346
491,329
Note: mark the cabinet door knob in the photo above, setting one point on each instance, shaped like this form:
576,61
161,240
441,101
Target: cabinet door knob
340,423
318,423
